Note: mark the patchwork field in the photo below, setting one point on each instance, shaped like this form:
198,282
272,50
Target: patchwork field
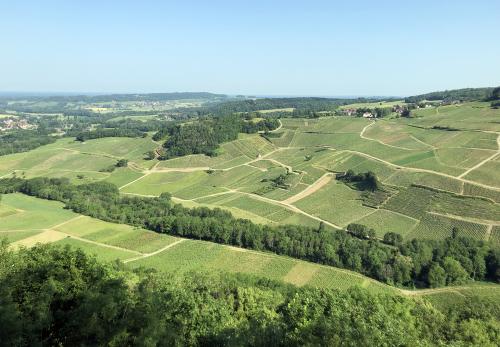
440,169
142,248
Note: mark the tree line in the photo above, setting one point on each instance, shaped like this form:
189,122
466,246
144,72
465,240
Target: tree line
109,132
414,263
58,296
204,136
311,104
361,181
23,141
464,94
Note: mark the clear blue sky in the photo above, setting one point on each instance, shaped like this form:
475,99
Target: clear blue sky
249,47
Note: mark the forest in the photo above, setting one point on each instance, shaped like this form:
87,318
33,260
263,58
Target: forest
465,94
414,263
23,141
205,135
309,104
110,132
57,296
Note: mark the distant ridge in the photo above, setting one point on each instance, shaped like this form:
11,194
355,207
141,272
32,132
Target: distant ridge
115,97
464,94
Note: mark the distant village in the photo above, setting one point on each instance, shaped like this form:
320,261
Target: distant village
403,110
14,123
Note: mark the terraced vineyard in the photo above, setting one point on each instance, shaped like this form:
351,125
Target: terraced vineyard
432,181
142,248
429,173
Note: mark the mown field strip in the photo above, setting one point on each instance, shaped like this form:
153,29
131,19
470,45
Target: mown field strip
47,236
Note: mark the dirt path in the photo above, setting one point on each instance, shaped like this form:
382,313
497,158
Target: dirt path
287,206
422,142
99,243
288,167
147,255
178,169
320,183
66,222
211,195
105,155
470,220
491,157
488,233
417,292
137,179
420,170
362,135
272,131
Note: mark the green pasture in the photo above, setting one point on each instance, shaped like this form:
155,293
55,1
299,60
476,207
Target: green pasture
119,235
336,203
198,255
28,213
384,221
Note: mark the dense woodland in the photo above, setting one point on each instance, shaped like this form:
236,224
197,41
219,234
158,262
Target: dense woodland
302,104
361,181
54,296
23,141
465,94
205,135
415,263
100,133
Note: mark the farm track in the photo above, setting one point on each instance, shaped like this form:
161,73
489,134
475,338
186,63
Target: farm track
491,157
321,182
418,292
52,236
304,193
147,255
419,170
287,206
362,135
464,219
488,233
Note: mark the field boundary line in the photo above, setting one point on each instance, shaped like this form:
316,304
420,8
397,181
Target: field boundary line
401,214
422,142
488,232
491,157
362,135
430,291
465,219
147,255
420,170
137,179
19,230
311,189
98,243
65,222
214,194
289,207
46,236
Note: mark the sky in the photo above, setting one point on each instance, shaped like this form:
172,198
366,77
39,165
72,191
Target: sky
323,48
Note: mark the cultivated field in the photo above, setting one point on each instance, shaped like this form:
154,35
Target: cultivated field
440,170
142,248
